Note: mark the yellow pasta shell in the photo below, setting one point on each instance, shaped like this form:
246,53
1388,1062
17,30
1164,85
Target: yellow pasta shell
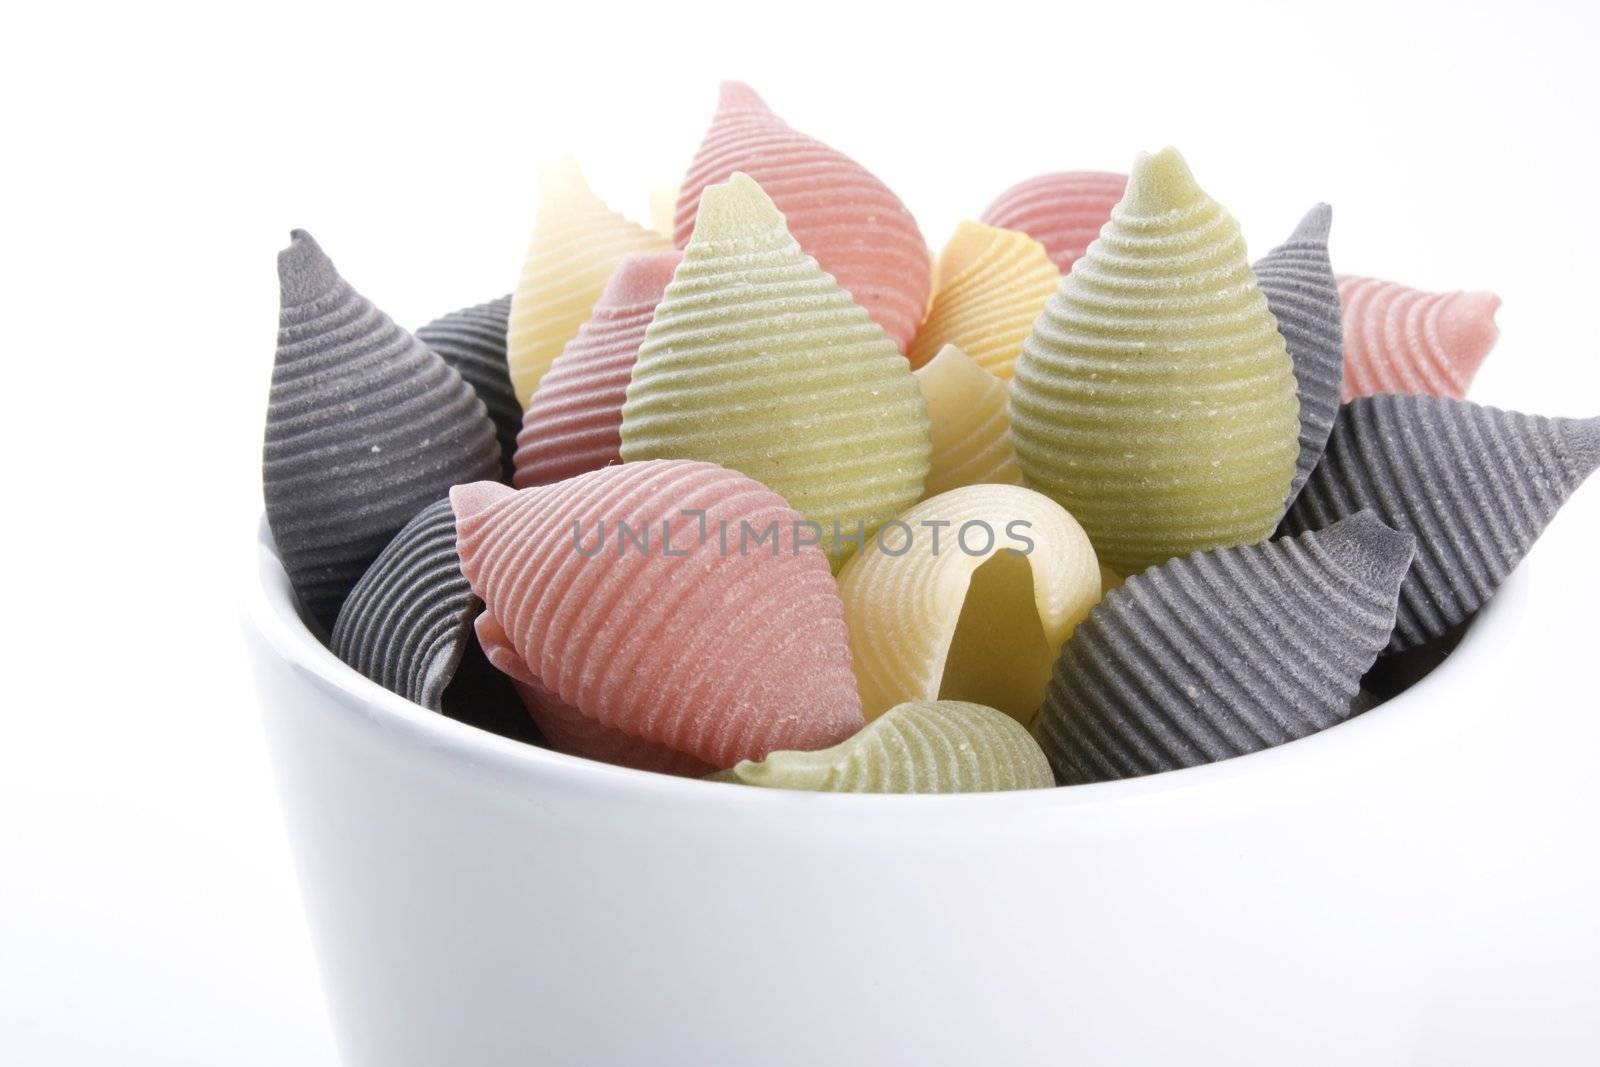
576,244
937,608
989,287
970,427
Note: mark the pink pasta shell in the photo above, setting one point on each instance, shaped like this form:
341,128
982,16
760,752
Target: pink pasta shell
1403,340
574,421
704,645
847,220
1062,211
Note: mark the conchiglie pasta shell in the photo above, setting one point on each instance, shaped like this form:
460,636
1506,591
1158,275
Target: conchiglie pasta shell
405,625
576,244
756,359
1062,211
685,639
365,427
853,225
1222,653
939,746
991,285
968,616
473,341
1155,398
1297,280
967,416
1475,485
574,421
1403,340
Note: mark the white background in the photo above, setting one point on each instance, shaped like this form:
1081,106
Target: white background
156,157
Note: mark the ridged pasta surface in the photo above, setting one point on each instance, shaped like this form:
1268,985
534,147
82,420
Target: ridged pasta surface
1403,340
967,418
574,421
756,359
989,287
576,244
847,219
365,427
939,746
1475,486
407,622
968,596
1062,211
1222,653
1155,398
716,646
1303,296
566,728
473,341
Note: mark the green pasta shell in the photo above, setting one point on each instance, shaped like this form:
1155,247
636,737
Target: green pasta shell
922,746
1155,398
759,361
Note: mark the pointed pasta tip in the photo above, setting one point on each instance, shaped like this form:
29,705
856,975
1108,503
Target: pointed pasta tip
304,270
561,181
737,96
1159,182
1364,544
1471,330
1583,438
738,204
1315,227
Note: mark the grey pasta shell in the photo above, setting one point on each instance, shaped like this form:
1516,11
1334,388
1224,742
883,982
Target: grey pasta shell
473,341
365,426
407,622
1475,485
1224,652
1303,295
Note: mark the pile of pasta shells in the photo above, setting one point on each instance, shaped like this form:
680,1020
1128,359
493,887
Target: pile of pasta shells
769,494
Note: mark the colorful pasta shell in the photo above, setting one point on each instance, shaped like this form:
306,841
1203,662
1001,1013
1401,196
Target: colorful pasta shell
473,341
967,418
671,601
407,622
576,244
848,220
567,729
574,421
990,286
1222,653
1402,340
925,746
1062,211
1475,485
1155,398
570,730
967,596
365,426
759,361
1297,280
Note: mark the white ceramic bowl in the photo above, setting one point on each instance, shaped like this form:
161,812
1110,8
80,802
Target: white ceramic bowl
1415,886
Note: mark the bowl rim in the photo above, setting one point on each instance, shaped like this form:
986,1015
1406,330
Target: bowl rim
271,611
